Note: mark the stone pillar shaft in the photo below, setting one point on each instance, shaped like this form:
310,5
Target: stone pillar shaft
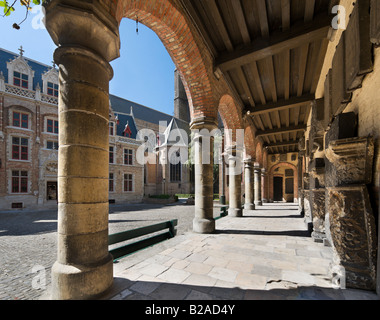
257,180
88,38
234,171
264,185
83,255
204,159
249,185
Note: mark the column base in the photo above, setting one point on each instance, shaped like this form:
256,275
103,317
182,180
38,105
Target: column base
71,282
235,212
318,236
258,203
204,226
265,201
249,206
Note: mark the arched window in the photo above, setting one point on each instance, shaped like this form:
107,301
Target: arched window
175,167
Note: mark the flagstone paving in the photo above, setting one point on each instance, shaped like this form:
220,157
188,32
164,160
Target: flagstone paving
267,254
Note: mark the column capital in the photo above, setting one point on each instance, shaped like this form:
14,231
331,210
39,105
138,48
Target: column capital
233,151
248,162
200,123
83,23
257,166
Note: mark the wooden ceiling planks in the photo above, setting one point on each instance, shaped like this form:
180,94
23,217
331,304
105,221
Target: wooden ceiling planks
271,52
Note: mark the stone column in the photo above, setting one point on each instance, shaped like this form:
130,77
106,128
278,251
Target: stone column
204,159
234,172
264,185
249,185
301,207
317,198
84,267
257,180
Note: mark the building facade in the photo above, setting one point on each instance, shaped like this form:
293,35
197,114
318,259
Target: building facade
29,143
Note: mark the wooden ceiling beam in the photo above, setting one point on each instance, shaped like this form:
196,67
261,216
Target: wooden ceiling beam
297,36
265,133
282,144
280,105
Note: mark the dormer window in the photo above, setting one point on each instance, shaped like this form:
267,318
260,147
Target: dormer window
52,89
20,74
50,82
20,80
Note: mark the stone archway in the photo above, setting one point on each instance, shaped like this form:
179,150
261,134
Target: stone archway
273,174
195,68
88,38
233,150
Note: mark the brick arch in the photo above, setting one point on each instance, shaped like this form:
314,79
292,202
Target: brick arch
231,117
259,153
265,159
249,142
272,174
170,25
249,138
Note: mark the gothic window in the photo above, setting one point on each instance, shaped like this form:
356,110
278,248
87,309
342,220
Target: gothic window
128,182
19,181
175,168
20,148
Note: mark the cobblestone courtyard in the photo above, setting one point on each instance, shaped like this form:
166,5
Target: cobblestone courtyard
29,239
264,255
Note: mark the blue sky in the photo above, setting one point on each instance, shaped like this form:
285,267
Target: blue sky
144,73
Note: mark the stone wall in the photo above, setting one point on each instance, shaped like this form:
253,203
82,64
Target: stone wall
365,103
